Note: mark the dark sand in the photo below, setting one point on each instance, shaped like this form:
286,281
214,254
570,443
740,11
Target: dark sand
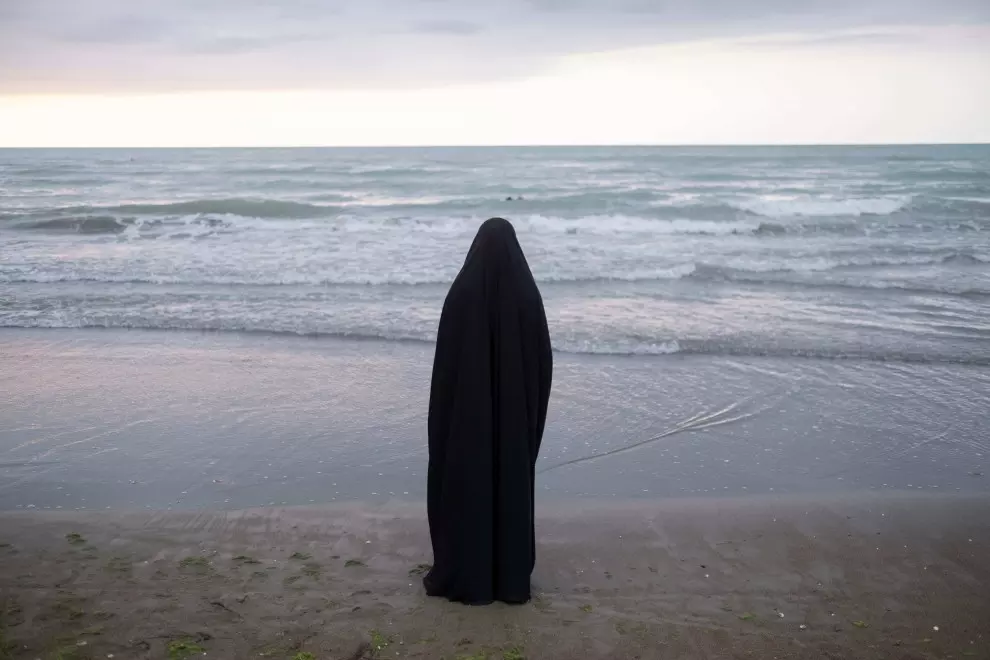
895,577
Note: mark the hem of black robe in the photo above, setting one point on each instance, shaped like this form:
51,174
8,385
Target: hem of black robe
435,592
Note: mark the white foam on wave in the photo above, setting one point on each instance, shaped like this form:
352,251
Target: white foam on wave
533,224
972,199
268,273
331,277
620,275
825,263
618,346
620,224
198,225
803,206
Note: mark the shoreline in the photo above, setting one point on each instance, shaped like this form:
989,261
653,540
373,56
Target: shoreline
752,577
667,350
183,421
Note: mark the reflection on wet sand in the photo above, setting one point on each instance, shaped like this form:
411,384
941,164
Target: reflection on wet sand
96,419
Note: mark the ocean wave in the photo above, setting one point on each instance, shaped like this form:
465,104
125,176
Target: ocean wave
616,347
979,202
52,169
612,224
863,261
910,158
277,168
94,224
822,207
611,213
322,280
70,179
972,208
791,273
114,220
965,258
945,174
109,224
771,350
249,208
781,278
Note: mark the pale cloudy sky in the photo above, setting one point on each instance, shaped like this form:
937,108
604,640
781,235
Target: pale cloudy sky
397,72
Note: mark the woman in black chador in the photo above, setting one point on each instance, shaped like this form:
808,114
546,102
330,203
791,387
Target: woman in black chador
488,406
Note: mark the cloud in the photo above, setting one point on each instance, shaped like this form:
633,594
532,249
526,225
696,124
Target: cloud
960,38
556,5
714,12
235,44
126,29
869,38
859,39
461,28
169,45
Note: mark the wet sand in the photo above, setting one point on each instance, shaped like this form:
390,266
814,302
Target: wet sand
897,577
97,419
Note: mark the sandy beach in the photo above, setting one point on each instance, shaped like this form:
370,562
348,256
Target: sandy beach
887,577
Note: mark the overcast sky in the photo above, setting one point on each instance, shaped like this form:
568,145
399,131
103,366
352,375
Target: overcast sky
230,72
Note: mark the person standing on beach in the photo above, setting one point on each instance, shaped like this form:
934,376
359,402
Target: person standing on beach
488,407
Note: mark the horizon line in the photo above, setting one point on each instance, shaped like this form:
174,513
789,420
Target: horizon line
525,146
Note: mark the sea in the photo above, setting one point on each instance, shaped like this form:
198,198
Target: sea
874,252
694,281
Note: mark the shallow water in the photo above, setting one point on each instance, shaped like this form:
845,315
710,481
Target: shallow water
131,419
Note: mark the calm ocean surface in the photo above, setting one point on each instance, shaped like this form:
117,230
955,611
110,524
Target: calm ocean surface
866,252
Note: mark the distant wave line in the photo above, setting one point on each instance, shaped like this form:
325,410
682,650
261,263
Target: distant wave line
649,202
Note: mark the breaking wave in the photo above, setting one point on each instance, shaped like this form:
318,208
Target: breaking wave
250,208
792,272
823,207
